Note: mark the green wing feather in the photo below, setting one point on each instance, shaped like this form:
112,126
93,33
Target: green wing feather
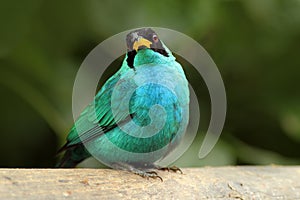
97,118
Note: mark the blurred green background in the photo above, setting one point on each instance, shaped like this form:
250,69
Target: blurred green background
255,44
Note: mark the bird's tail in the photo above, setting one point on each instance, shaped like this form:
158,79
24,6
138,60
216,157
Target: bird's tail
72,157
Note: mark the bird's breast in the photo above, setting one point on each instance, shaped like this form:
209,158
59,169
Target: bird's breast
168,75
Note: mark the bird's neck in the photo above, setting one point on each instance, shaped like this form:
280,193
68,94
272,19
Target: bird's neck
148,56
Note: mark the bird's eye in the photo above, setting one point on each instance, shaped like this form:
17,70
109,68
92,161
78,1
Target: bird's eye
155,38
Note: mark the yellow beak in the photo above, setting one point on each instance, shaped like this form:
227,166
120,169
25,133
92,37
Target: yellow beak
141,42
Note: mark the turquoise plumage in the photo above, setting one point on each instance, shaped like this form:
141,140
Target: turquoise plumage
139,115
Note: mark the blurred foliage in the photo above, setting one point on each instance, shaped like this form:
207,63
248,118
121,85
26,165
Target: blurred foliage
254,43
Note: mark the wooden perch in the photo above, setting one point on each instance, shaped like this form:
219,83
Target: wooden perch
269,182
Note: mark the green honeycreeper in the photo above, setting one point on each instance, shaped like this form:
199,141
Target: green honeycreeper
140,114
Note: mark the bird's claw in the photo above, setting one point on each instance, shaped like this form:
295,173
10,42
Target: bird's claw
149,174
173,169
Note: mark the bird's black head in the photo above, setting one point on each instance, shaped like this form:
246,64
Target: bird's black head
141,39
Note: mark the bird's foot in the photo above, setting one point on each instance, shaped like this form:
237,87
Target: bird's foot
142,173
147,174
173,169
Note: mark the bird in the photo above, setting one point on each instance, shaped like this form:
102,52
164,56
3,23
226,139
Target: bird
140,114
